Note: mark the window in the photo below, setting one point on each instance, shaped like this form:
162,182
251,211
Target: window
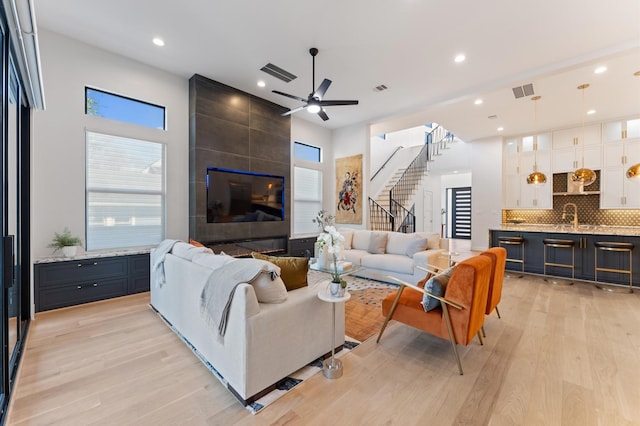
302,151
125,194
307,199
120,108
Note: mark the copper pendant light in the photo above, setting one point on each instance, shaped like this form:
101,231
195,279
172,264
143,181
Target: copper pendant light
583,175
536,177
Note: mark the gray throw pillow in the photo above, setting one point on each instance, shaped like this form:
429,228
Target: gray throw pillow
377,243
438,286
415,246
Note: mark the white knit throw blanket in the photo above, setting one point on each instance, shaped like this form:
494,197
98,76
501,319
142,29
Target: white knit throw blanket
217,294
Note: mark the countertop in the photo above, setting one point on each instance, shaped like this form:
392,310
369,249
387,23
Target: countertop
568,228
93,255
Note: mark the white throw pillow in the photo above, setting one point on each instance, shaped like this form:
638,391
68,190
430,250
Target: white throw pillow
212,261
348,238
188,251
361,240
268,290
398,242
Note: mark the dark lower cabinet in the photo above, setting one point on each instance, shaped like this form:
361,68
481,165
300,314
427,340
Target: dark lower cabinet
302,246
584,256
72,282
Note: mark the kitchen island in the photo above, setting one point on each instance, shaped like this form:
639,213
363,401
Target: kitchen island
584,237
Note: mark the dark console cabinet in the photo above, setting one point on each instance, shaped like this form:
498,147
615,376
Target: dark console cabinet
72,282
302,246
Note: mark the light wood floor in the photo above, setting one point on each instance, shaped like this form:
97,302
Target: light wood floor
559,356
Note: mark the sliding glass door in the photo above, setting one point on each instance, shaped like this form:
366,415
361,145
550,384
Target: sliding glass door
14,222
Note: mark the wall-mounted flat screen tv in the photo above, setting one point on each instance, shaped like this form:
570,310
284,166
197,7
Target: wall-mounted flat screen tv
241,196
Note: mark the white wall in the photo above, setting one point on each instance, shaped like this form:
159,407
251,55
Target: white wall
312,134
486,196
349,141
58,140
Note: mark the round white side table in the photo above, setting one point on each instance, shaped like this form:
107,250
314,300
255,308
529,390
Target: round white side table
332,367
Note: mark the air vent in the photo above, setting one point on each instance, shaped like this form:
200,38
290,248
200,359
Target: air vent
380,88
277,72
521,91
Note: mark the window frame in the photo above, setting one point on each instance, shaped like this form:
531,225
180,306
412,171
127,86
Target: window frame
128,98
162,192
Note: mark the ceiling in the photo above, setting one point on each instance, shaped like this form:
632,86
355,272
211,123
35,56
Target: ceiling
407,45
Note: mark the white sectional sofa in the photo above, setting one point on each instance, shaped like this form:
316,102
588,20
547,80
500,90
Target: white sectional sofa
263,342
383,253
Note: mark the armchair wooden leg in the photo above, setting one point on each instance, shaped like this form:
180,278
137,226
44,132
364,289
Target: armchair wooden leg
390,314
452,338
480,336
498,312
483,333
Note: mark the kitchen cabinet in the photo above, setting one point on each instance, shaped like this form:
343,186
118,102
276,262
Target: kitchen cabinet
622,129
517,193
618,192
570,159
573,137
584,251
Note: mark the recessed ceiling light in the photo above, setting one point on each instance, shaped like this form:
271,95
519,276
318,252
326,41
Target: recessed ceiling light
158,41
478,102
261,83
460,58
591,111
600,70
501,129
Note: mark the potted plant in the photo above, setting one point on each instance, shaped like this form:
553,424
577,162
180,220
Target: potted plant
65,241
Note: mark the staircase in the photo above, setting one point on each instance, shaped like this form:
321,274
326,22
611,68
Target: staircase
393,209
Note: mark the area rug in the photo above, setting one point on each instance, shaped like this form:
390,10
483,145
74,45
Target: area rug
363,318
363,312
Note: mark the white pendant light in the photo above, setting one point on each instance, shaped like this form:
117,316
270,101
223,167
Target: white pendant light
536,177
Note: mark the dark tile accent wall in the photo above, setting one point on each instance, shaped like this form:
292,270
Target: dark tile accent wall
235,130
589,211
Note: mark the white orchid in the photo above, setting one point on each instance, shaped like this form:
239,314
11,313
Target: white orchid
333,241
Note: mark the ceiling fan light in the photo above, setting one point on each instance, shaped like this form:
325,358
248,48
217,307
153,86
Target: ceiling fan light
633,173
583,176
536,178
313,109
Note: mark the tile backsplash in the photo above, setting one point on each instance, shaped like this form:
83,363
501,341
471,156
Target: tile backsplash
589,211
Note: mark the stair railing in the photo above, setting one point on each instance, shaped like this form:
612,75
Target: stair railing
385,163
380,219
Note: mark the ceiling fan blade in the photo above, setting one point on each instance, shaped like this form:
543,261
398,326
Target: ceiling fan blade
297,98
293,110
323,115
334,103
322,89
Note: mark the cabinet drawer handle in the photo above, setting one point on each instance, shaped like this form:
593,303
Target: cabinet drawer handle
78,287
95,263
95,284
79,265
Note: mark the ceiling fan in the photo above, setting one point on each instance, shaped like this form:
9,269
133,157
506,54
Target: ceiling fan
314,103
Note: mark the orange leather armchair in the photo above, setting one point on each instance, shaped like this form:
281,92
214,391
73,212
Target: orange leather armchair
498,256
461,314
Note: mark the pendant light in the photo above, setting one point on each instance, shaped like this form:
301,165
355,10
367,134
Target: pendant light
583,175
536,177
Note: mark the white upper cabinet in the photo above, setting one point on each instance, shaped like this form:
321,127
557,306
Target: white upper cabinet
623,129
573,137
569,159
618,192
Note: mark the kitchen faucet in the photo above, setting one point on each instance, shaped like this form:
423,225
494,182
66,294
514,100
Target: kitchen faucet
575,214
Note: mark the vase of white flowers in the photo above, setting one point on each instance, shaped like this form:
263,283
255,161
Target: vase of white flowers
329,250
